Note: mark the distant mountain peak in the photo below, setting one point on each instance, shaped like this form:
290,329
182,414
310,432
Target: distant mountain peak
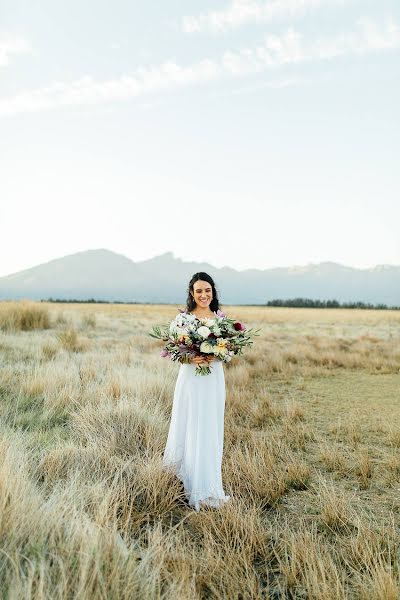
165,256
326,266
164,260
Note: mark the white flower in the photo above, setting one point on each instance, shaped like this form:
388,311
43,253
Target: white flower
209,322
203,331
206,347
180,324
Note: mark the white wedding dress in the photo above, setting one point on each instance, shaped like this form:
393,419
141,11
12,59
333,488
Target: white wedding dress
196,434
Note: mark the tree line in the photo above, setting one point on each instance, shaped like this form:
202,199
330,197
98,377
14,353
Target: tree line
91,301
311,303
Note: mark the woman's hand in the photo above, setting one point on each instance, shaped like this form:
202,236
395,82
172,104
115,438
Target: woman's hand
204,360
200,360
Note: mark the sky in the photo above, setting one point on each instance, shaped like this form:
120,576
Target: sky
247,133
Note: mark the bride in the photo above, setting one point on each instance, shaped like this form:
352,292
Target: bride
196,432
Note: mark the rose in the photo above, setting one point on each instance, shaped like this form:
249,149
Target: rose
206,347
239,326
203,332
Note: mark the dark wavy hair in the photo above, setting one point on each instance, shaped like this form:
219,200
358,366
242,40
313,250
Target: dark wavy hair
201,276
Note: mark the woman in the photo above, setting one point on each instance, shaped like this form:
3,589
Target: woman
196,433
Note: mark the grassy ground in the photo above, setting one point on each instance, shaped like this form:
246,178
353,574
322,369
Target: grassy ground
311,459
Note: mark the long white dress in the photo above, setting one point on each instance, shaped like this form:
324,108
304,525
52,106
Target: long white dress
196,434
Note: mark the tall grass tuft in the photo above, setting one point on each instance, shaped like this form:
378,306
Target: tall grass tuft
23,316
89,321
70,341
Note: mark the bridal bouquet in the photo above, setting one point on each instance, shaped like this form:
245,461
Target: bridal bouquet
188,336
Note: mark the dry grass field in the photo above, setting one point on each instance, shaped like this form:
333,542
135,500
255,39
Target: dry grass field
311,459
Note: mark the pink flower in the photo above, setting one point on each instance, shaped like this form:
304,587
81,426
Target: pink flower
164,353
220,313
239,326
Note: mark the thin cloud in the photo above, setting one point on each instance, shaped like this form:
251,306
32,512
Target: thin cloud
10,45
290,48
259,85
274,84
242,12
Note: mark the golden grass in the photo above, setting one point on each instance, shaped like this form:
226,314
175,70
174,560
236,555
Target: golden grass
311,459
23,316
69,340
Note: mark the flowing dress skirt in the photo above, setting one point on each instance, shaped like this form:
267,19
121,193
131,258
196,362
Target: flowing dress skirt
196,434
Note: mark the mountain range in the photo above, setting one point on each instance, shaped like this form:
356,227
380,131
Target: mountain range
105,275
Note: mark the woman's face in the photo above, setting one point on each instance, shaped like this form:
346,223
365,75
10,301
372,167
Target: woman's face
202,293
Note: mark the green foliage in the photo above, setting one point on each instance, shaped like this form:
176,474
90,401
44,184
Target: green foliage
160,333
